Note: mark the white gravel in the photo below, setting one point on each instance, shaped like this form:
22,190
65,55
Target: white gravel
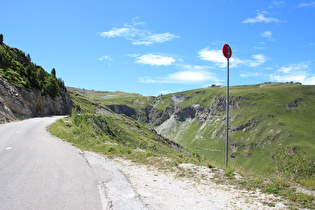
159,190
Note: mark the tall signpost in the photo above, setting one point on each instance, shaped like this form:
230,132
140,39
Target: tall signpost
227,52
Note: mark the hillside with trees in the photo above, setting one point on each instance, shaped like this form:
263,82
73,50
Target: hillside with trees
19,70
26,89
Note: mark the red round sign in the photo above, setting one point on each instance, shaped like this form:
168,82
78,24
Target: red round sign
227,52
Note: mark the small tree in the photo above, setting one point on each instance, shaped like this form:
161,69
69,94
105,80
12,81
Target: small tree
1,38
52,87
53,72
28,71
40,77
29,57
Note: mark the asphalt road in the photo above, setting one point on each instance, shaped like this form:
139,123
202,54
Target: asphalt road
39,171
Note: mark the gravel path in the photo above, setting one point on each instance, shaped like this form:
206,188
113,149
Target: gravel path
160,190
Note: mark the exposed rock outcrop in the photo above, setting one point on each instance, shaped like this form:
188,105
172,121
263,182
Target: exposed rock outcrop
123,109
156,117
18,103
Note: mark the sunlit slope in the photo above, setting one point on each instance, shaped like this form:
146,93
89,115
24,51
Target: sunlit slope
263,119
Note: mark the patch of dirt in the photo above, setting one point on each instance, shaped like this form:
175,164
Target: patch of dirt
188,186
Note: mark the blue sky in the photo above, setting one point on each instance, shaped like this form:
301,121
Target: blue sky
156,47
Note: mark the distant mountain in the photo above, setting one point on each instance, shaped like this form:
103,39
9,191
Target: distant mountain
265,120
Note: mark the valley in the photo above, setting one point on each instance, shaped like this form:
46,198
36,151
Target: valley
264,118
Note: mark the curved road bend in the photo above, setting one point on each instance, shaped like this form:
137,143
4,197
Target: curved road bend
40,171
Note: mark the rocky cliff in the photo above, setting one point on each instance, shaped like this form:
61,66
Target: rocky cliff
156,116
21,103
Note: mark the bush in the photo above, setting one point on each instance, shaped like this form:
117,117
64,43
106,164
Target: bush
229,173
14,77
52,87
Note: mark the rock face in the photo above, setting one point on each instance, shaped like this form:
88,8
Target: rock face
123,109
157,117
18,103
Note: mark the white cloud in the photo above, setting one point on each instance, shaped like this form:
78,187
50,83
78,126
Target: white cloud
236,62
251,74
278,4
155,60
190,77
138,36
193,67
287,78
294,68
294,72
136,23
258,60
106,57
310,80
164,92
309,4
120,32
147,80
260,18
154,38
183,77
267,34
216,57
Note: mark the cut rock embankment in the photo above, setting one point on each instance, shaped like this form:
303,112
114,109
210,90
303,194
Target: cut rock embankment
18,103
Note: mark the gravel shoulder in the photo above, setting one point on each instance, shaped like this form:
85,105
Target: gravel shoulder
165,190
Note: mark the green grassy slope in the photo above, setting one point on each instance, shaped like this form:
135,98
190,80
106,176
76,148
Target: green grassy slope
110,97
253,106
109,132
268,118
264,119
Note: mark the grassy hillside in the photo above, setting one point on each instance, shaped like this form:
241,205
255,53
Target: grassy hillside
269,124
99,129
113,97
265,119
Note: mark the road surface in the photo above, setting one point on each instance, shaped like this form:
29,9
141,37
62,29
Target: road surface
40,171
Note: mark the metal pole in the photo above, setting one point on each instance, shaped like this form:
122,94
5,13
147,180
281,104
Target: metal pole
227,111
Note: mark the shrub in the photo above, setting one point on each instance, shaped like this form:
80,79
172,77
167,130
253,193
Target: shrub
229,173
52,87
111,149
14,77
